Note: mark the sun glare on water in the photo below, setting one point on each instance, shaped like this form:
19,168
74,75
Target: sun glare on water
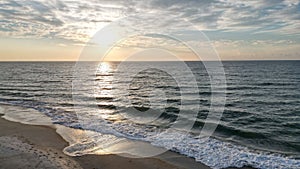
103,67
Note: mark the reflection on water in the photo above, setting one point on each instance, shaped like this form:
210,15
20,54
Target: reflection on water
104,68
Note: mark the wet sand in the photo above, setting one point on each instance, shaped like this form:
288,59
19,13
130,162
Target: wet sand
27,146
32,146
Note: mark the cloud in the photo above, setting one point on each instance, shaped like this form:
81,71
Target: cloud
54,19
78,20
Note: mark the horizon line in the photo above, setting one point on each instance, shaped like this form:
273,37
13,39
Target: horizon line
149,61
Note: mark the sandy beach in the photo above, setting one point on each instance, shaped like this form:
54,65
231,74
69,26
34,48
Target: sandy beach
26,146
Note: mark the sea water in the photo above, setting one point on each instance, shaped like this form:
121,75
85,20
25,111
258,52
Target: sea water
259,127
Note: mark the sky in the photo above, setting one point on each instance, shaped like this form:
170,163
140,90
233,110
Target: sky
59,30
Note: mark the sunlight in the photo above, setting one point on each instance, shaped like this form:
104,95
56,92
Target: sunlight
104,67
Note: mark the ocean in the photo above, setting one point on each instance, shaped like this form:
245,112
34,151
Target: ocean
259,125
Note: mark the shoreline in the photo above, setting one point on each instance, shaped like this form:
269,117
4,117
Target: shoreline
43,147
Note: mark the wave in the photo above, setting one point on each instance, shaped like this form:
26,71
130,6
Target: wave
218,154
210,151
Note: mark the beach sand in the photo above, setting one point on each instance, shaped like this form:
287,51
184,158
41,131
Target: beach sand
31,146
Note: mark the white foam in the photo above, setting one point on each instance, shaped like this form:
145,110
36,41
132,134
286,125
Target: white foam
218,154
